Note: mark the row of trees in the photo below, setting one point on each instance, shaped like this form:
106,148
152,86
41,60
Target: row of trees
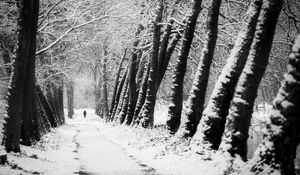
44,59
225,120
30,111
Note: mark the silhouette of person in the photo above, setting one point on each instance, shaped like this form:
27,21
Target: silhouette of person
84,114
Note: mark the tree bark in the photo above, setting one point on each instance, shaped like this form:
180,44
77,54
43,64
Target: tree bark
118,95
124,105
174,112
15,99
70,98
46,106
30,126
104,85
148,107
116,84
238,120
280,141
214,115
133,94
141,97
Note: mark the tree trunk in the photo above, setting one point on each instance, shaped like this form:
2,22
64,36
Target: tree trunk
238,120
70,98
174,113
280,141
214,115
118,95
148,107
104,85
25,46
30,126
97,87
166,59
141,97
124,105
141,70
133,94
46,106
6,59
116,84
60,98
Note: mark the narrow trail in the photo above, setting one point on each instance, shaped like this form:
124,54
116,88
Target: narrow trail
97,154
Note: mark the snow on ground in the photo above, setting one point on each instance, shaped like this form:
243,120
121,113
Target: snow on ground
91,146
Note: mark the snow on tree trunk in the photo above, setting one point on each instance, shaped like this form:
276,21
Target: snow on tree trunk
123,101
124,104
237,124
214,115
141,97
147,110
133,94
70,98
174,113
116,84
165,61
281,137
118,95
104,99
97,90
46,106
28,11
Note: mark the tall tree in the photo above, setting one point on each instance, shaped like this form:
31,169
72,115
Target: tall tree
278,148
116,84
148,107
214,115
133,93
70,98
104,100
238,120
25,59
175,107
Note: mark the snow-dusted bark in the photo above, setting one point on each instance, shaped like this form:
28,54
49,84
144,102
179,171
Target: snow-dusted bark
124,104
148,107
281,138
119,95
25,58
6,57
141,97
237,124
104,100
46,107
116,84
70,98
214,115
141,69
97,89
133,94
174,113
166,58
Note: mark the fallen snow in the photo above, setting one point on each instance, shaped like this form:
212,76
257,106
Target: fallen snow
91,146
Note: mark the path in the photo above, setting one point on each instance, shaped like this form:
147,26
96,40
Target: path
97,154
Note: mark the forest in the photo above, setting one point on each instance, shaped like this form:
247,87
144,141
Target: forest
208,85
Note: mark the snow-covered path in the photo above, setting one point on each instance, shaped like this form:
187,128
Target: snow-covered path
97,154
79,147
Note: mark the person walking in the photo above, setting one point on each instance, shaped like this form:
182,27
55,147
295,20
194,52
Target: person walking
84,114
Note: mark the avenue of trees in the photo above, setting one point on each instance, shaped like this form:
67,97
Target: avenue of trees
212,61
